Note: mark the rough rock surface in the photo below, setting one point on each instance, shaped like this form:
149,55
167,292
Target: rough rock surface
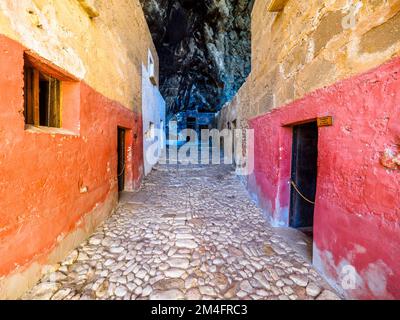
166,242
204,50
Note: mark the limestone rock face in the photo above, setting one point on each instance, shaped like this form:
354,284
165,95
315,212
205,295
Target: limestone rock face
204,49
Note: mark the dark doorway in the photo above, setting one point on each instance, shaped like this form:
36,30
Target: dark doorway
191,125
234,127
121,159
304,176
203,127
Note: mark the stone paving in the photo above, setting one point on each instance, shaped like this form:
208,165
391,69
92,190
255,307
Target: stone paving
190,233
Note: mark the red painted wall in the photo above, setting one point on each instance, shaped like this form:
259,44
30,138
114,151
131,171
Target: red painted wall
41,174
357,212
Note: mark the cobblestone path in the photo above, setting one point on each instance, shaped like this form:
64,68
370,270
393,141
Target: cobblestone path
190,233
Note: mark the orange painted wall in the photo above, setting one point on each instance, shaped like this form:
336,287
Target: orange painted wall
41,174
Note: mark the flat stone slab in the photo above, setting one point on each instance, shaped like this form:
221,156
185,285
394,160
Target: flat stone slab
186,243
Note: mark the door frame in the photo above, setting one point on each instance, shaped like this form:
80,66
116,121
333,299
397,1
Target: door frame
121,167
294,172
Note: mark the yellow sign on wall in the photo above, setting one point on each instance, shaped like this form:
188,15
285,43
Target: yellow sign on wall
325,121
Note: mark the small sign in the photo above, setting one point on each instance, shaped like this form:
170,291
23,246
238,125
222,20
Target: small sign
325,121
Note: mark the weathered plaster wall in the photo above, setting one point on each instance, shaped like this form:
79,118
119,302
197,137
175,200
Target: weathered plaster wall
310,45
356,217
307,63
57,185
103,51
154,110
204,49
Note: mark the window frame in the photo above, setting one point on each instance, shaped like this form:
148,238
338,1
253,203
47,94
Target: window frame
69,96
32,98
151,69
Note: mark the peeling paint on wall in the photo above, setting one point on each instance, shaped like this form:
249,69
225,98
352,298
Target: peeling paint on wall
390,158
39,30
310,65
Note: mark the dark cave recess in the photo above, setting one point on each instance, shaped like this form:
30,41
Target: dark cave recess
204,49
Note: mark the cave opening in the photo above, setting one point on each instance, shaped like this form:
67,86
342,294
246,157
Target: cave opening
204,51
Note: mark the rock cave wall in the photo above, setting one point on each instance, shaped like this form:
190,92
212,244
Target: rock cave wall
204,49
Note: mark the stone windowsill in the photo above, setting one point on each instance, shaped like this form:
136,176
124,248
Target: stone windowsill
49,130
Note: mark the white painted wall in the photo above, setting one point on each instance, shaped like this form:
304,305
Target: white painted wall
153,112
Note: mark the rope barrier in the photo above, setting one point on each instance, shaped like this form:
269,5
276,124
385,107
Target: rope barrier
123,170
298,191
